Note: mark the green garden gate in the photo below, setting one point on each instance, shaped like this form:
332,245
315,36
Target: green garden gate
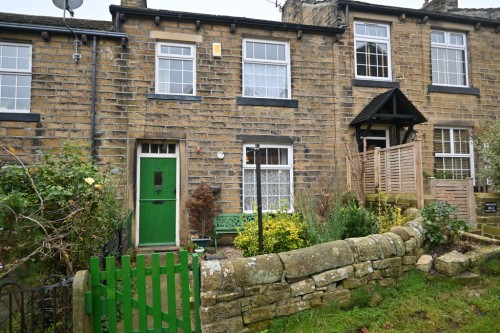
145,299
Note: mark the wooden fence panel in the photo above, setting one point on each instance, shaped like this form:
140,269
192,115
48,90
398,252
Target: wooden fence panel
394,170
457,192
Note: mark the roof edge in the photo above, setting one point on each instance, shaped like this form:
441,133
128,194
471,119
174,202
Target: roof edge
221,19
60,30
418,13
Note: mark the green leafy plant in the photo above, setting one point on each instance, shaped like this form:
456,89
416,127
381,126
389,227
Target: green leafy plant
444,175
282,231
56,214
441,222
343,217
389,215
317,213
487,142
357,220
202,207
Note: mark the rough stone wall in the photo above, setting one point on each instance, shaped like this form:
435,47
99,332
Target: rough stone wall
61,94
440,5
214,124
134,3
451,7
488,224
310,12
487,13
249,293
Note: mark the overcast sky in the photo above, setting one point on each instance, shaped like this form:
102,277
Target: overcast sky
260,9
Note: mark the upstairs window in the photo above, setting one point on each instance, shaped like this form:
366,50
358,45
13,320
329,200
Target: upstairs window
276,177
266,69
453,153
15,77
373,51
449,58
175,69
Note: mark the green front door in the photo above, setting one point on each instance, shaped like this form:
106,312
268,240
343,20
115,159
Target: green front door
157,201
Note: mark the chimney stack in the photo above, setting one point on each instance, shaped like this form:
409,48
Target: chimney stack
442,6
134,3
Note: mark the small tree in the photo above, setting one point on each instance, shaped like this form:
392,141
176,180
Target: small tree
202,208
487,142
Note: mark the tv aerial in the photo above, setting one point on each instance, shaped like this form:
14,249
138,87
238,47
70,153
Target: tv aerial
70,5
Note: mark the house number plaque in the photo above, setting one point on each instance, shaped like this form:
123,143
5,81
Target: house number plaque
490,207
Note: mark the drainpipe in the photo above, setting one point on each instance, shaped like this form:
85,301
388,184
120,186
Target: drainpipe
347,16
93,98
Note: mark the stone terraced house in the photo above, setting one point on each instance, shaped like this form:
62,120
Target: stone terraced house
173,99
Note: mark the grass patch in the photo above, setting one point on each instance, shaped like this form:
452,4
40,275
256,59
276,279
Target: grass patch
414,305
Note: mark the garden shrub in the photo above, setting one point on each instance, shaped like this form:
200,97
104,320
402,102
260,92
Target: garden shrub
357,221
343,218
389,215
282,231
441,223
202,207
319,215
487,142
56,214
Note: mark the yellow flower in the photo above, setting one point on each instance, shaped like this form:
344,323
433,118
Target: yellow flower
98,186
90,181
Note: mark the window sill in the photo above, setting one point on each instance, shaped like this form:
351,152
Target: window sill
289,103
21,117
453,90
184,98
375,83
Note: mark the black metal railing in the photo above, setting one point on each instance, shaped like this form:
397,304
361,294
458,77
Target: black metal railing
42,309
119,242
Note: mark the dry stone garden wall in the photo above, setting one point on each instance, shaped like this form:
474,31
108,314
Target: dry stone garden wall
244,295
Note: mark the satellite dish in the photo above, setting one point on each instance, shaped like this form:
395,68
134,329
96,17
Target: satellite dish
71,4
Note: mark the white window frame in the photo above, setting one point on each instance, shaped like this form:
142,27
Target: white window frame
287,168
285,62
452,153
373,39
448,46
385,138
17,72
166,56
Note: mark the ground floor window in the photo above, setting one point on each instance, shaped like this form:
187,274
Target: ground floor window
453,157
276,177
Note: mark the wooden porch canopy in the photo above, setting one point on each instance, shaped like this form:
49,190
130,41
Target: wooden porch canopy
390,108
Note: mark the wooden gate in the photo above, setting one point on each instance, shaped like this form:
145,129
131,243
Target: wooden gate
145,299
457,192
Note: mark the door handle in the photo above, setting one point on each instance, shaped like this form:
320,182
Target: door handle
175,190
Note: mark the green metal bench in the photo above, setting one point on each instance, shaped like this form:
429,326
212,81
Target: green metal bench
229,224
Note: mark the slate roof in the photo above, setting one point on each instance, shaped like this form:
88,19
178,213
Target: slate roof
57,21
405,114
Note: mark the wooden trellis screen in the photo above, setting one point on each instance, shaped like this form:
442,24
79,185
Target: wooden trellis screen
395,170
457,192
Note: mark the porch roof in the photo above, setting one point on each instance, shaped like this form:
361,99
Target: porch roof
391,107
